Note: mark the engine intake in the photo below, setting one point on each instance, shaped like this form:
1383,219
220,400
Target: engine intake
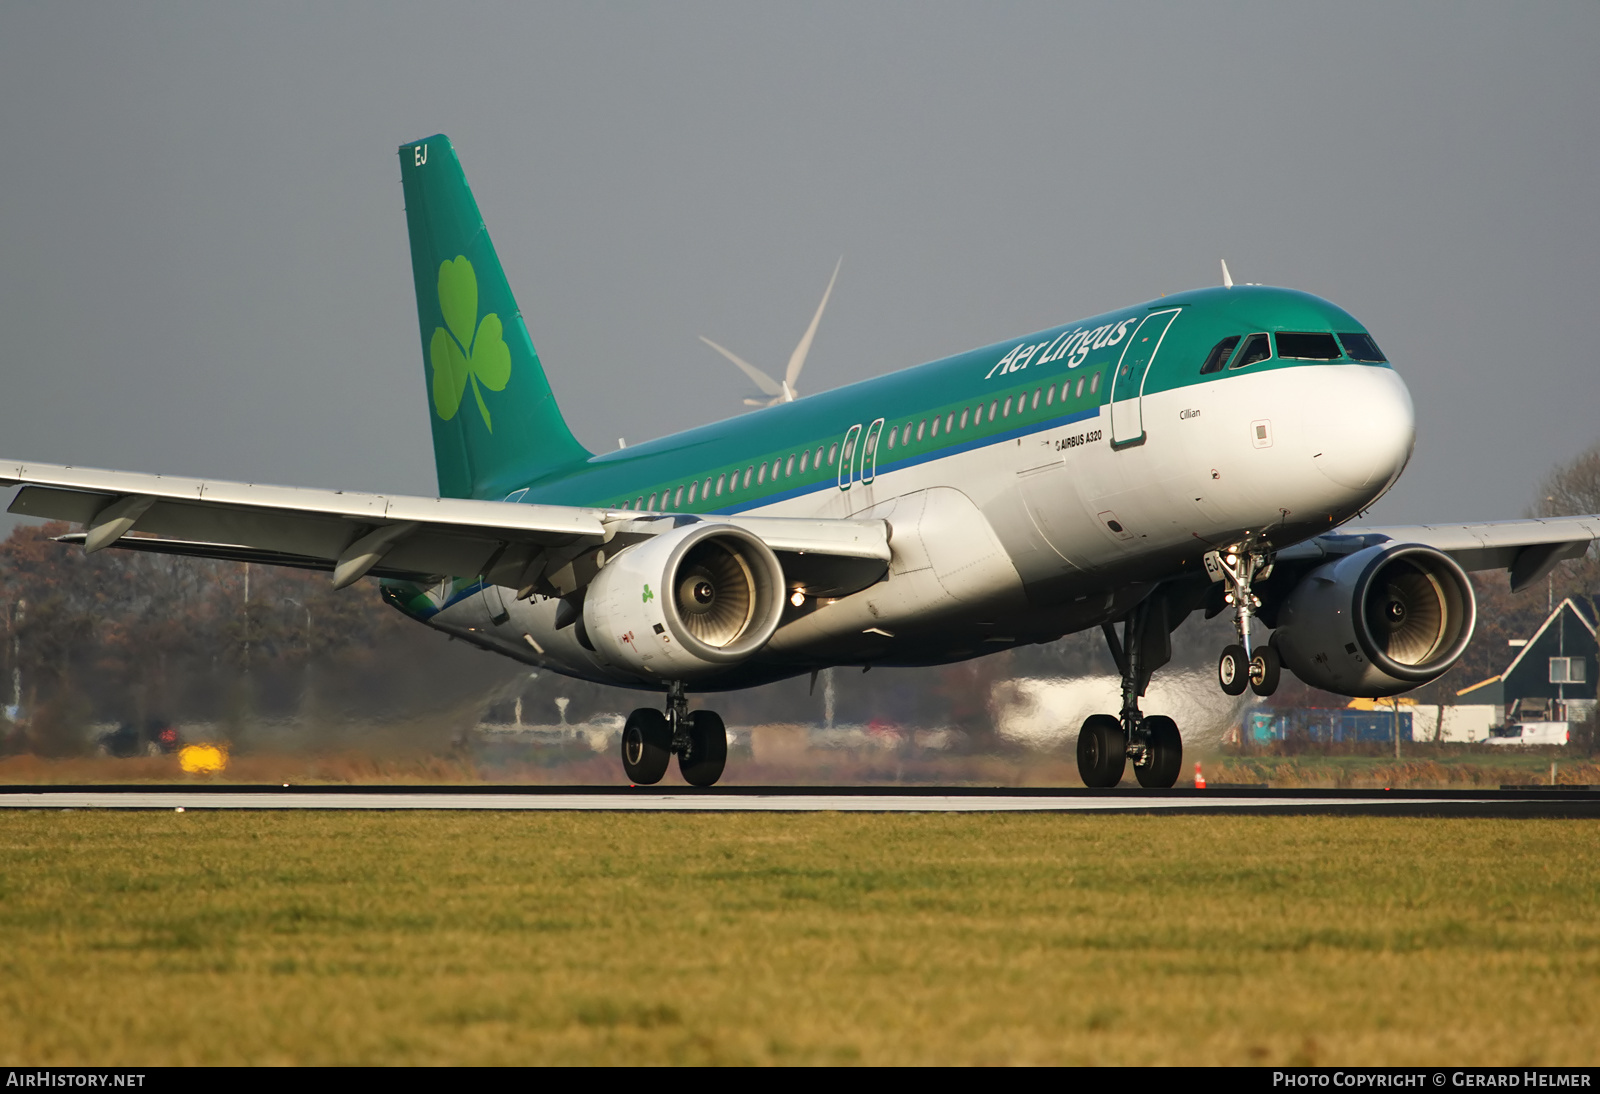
686,603
1377,622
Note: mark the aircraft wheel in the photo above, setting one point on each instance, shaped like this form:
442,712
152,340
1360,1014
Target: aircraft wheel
1102,751
1233,670
1165,755
646,746
702,762
1265,669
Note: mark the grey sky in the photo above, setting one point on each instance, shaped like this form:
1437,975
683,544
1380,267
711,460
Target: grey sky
203,262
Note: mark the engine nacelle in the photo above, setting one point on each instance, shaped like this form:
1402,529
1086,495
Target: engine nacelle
685,604
1378,622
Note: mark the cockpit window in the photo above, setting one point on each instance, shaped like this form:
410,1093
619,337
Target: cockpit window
1256,349
1308,347
1361,347
1219,355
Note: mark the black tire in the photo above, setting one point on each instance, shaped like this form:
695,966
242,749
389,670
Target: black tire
1165,756
702,762
1233,670
1266,668
646,746
1102,751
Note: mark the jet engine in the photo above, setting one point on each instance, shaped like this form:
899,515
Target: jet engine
685,604
1377,622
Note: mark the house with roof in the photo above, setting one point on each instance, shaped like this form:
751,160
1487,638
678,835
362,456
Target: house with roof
1549,684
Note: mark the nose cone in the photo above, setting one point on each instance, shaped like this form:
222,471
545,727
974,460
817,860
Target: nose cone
1364,427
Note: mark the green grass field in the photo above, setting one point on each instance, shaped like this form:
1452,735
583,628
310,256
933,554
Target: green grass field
417,938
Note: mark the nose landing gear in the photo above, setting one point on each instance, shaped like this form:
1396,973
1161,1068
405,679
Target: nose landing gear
650,738
1240,664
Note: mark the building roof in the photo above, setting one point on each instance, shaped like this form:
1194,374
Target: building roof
1580,610
1470,688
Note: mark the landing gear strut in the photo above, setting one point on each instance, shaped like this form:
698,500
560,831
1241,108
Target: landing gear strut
650,737
1106,743
1241,664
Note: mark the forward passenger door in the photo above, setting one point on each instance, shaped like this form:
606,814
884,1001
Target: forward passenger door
1127,379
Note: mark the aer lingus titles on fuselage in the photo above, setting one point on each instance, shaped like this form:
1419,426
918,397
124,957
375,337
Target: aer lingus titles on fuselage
1196,451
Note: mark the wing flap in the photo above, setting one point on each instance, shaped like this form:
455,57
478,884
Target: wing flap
227,552
801,535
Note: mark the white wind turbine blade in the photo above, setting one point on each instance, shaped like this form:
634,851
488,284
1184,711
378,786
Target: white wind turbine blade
797,360
763,381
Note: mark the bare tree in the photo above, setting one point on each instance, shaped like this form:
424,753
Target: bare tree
1572,488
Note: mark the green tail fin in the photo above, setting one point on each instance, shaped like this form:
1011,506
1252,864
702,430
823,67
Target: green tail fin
496,426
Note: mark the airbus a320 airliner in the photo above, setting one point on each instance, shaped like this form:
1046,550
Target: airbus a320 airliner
1195,452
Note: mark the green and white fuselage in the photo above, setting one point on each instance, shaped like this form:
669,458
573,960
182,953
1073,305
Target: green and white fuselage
1034,487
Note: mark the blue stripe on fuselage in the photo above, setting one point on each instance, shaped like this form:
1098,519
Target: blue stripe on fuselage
914,461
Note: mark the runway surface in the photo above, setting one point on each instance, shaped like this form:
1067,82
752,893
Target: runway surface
1510,802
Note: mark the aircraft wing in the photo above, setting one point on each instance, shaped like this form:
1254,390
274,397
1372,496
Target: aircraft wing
1527,549
549,548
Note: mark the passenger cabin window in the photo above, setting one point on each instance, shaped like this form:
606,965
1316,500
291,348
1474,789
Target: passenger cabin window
833,452
1308,347
1256,349
1218,357
1361,347
748,473
761,475
805,461
652,501
1050,395
788,468
677,499
722,480
694,492
1094,383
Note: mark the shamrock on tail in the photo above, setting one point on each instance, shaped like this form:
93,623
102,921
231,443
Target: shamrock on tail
469,349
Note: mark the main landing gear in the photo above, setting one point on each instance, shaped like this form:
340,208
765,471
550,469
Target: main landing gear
1107,742
1240,664
650,738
